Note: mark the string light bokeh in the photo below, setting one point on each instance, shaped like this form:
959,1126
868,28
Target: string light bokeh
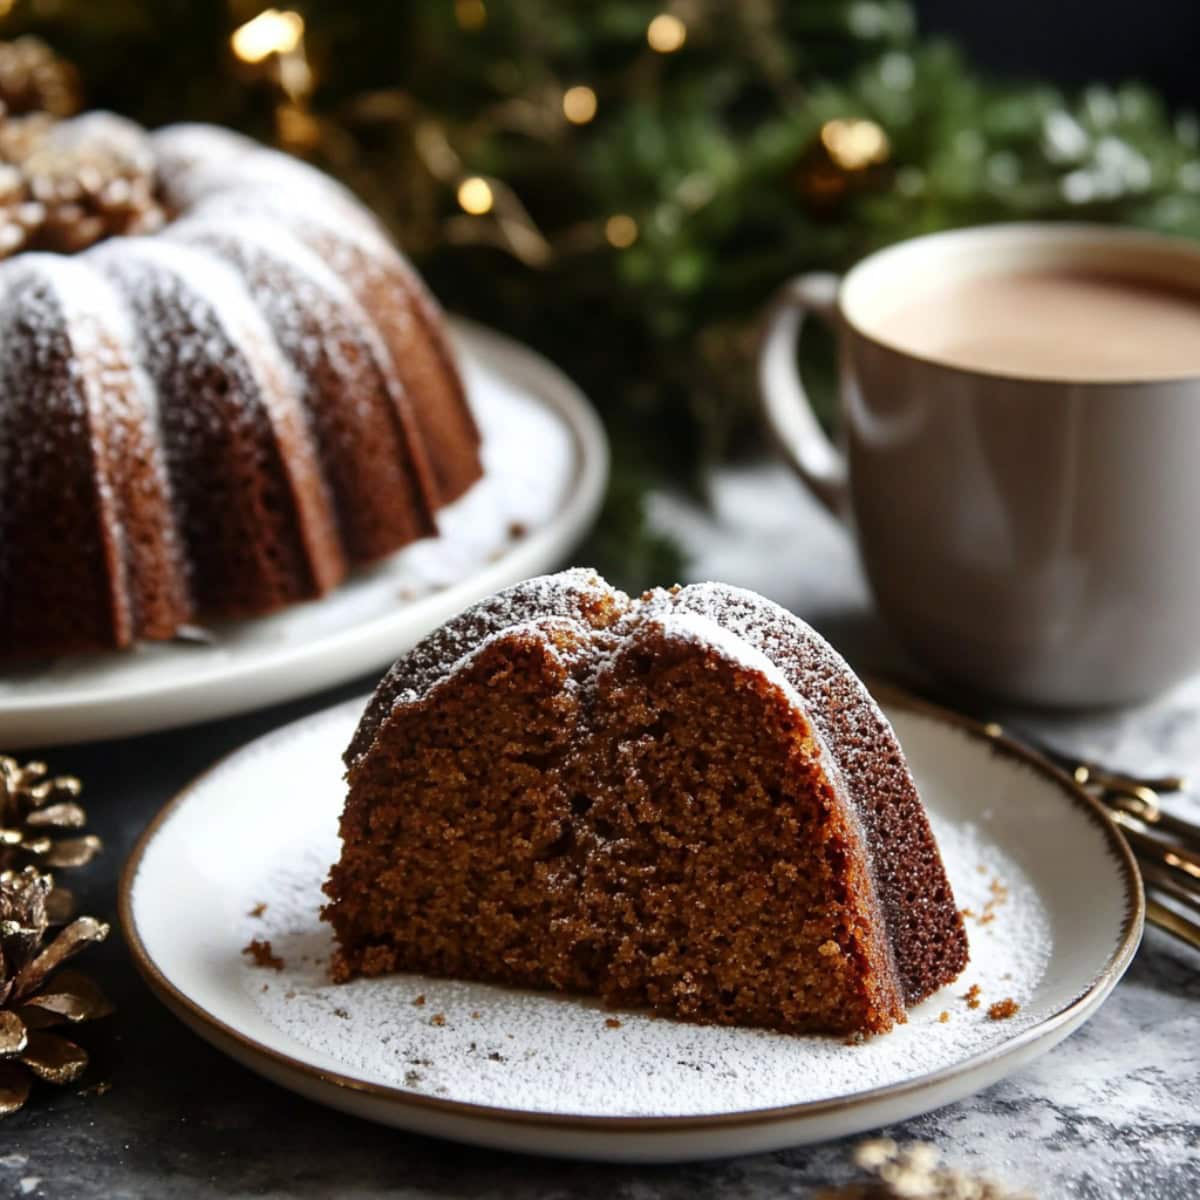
271,32
666,33
475,196
273,41
579,104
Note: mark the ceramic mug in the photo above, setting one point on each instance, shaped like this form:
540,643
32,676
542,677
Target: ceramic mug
1033,538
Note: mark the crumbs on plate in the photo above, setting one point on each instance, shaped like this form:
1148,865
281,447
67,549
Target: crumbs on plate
1003,1009
262,954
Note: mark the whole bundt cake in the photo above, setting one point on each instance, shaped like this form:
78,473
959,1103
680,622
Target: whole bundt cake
686,801
219,413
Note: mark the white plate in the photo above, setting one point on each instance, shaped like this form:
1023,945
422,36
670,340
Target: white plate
546,461
543,1073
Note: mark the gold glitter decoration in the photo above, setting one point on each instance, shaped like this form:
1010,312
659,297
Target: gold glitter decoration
35,996
36,811
914,1172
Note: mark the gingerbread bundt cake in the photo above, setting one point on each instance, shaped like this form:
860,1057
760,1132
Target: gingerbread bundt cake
221,412
686,801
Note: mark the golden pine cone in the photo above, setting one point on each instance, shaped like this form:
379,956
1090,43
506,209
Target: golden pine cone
35,996
35,811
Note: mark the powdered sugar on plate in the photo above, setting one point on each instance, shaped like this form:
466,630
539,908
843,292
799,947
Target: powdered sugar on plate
548,1053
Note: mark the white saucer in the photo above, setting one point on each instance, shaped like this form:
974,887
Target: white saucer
546,460
542,1073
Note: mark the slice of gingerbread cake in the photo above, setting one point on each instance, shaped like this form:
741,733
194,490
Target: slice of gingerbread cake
686,802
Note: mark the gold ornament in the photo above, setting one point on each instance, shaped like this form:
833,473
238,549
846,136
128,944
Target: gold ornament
34,79
35,996
913,1172
36,810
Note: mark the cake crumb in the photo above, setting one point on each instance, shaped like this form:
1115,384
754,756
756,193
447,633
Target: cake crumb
517,530
999,892
612,1023
943,1016
828,949
420,1001
438,1019
982,868
341,1014
999,896
1003,1009
262,954
476,1015
972,994
258,909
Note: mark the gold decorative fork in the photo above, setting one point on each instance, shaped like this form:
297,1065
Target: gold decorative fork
1166,846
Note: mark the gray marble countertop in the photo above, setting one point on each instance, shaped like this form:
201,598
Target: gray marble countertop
1111,1112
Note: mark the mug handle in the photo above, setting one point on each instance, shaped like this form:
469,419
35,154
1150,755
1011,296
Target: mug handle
788,410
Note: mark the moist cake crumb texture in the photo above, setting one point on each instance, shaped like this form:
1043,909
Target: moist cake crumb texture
684,802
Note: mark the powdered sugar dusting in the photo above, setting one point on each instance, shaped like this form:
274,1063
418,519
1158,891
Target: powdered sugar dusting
197,161
565,596
529,605
532,463
547,1053
312,314
206,311
705,630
